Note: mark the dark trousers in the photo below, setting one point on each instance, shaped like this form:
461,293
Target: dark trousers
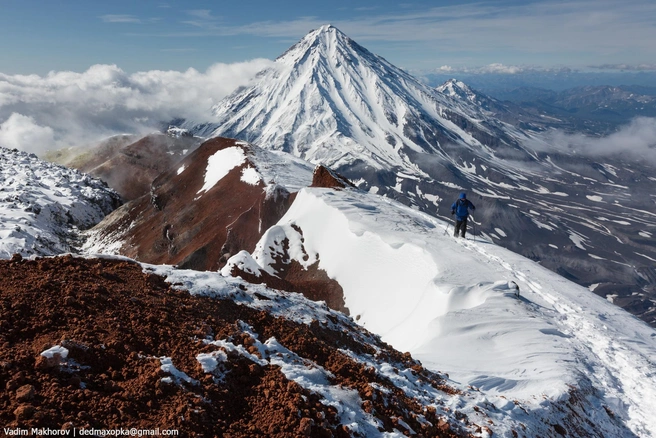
461,227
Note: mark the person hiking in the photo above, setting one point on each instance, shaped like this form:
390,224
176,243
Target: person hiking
461,209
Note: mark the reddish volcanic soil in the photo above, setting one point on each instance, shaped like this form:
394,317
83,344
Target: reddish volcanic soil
117,321
325,177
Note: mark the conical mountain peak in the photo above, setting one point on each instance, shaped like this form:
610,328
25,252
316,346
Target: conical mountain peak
334,102
327,31
455,87
328,28
321,42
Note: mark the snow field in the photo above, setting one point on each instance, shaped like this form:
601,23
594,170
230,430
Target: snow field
449,302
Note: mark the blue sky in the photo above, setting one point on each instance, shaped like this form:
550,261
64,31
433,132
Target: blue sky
40,36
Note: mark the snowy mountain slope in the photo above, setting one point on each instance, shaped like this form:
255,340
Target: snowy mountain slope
332,101
565,355
392,381
43,205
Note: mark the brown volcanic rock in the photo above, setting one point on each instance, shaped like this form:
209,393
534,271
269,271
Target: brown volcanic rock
325,177
175,224
130,168
118,323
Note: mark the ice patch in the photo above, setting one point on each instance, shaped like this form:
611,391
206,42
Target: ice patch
645,256
500,232
577,239
209,361
177,375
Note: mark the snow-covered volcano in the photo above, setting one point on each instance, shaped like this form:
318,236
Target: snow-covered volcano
331,101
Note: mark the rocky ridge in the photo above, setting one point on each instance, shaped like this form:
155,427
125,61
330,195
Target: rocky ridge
129,164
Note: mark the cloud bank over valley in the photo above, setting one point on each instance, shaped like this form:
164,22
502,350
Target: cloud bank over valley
635,141
63,109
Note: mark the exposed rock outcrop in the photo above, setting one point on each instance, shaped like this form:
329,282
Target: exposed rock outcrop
192,220
325,177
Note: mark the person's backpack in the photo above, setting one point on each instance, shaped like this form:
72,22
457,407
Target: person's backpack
462,206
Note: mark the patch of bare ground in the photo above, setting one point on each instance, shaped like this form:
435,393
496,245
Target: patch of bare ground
118,323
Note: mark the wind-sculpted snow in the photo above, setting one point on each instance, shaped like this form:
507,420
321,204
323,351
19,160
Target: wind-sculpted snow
42,205
558,349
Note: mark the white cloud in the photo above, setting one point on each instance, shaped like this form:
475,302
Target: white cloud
626,67
636,141
446,69
22,132
111,18
495,68
74,109
501,69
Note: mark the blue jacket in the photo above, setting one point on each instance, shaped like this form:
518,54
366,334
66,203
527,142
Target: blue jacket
461,208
